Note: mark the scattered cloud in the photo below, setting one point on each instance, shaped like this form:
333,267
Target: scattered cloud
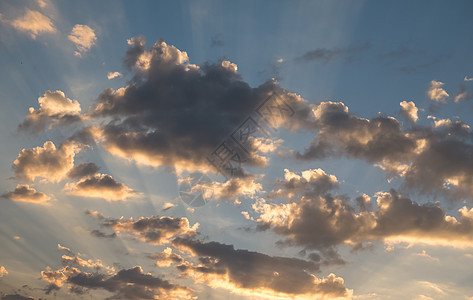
437,93
112,75
33,23
55,110
83,170
409,111
166,258
24,193
468,78
100,186
132,283
83,38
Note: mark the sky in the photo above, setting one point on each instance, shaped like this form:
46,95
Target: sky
236,150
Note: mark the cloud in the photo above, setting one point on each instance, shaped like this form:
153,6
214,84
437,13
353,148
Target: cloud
430,159
409,111
33,23
130,283
166,258
154,230
55,110
48,162
175,114
232,189
100,186
437,93
83,170
112,75
327,55
468,78
316,220
16,297
83,38
3,271
255,274
24,193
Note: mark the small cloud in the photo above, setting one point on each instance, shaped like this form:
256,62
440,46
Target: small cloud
16,237
24,193
409,111
100,186
32,22
168,205
3,271
468,79
426,255
281,60
83,38
436,92
112,75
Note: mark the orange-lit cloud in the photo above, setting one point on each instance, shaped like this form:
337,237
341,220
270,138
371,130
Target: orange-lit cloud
83,38
100,186
33,23
24,193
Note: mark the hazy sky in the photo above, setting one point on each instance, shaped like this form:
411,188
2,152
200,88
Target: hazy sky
236,150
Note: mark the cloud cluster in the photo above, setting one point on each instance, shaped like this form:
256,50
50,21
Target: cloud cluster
24,193
432,159
55,110
409,111
317,220
256,274
33,23
132,283
83,38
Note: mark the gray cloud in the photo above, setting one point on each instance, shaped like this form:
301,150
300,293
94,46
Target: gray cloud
100,186
248,272
83,170
174,113
24,193
326,55
316,220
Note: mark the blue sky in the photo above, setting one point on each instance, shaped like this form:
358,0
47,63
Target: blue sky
109,107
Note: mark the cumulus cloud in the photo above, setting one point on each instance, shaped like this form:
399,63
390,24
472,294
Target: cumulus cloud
132,283
232,189
33,23
3,271
24,193
255,274
112,75
55,110
100,186
316,220
437,93
174,113
154,230
468,78
48,162
409,111
83,38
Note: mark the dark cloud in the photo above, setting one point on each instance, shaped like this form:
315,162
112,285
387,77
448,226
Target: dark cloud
24,193
16,297
326,55
100,186
318,221
174,113
100,234
83,170
154,230
245,271
217,41
434,159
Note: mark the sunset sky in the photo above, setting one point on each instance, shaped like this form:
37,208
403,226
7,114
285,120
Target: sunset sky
236,149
